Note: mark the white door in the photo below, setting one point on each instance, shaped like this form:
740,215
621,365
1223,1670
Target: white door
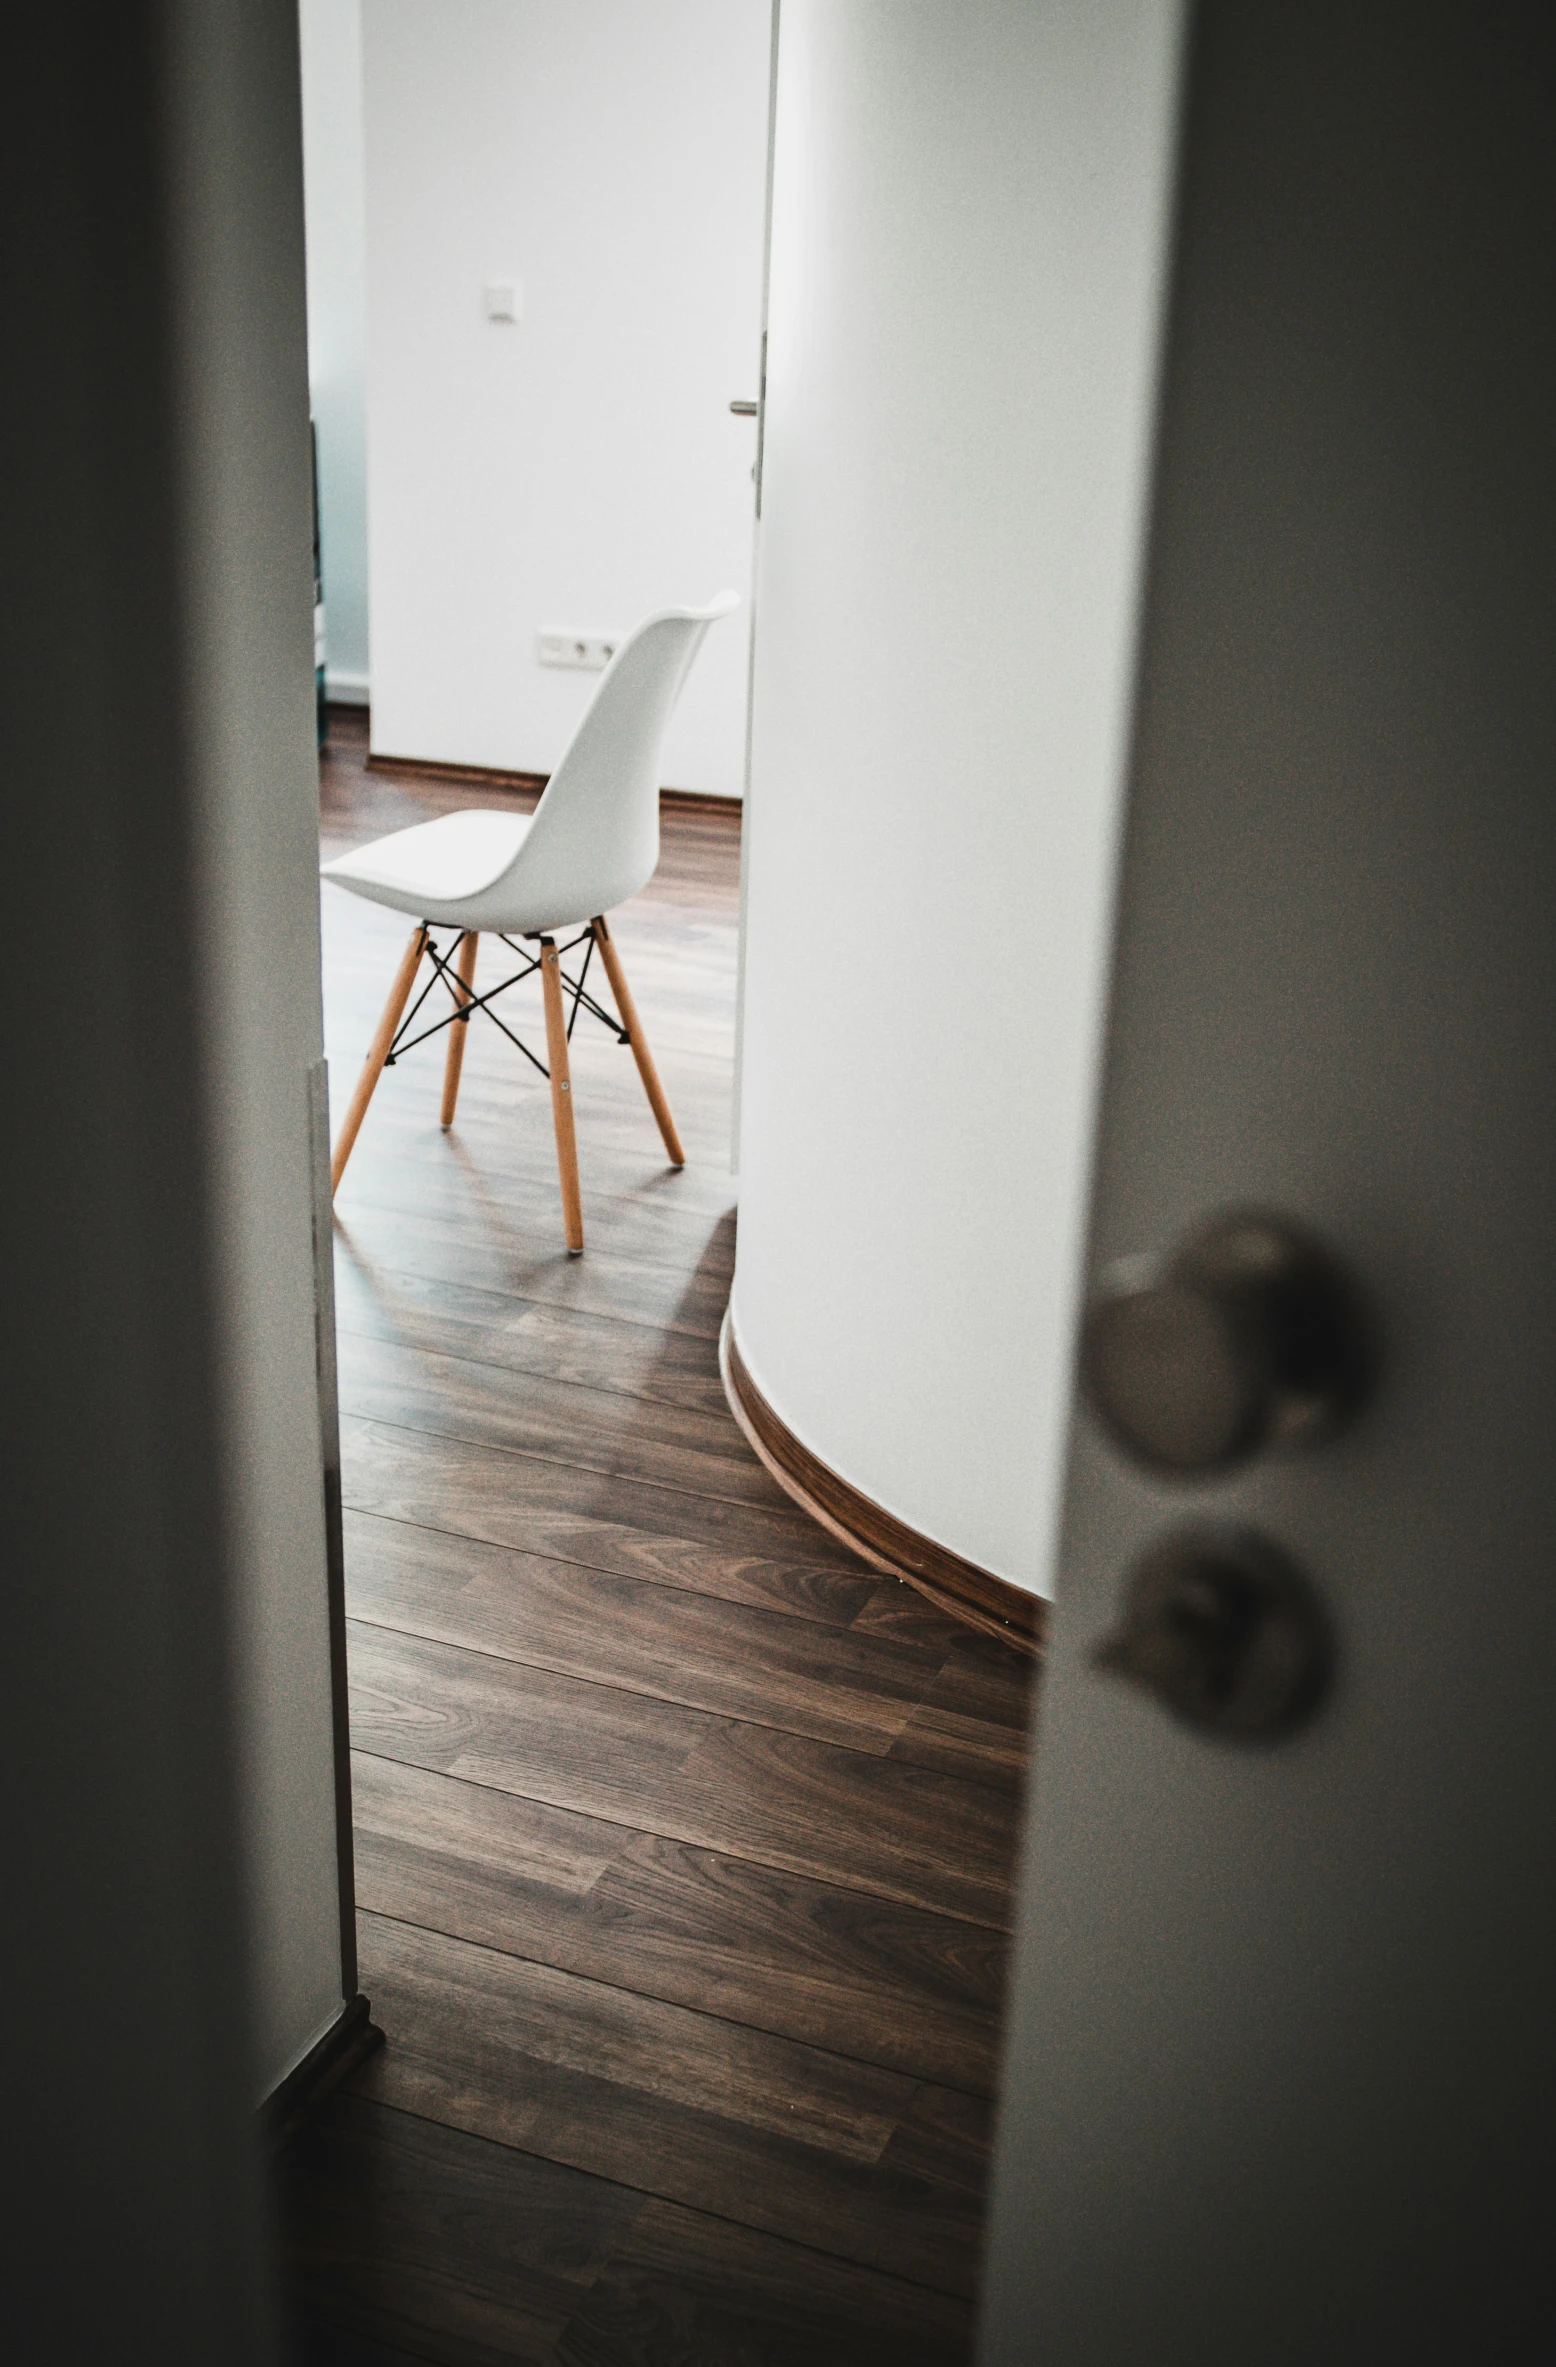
1277,2084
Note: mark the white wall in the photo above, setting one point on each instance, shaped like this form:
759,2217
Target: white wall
580,468
331,40
968,227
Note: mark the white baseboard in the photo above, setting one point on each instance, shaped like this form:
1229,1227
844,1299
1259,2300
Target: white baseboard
346,690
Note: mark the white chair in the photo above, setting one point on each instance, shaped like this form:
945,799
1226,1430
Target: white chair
592,841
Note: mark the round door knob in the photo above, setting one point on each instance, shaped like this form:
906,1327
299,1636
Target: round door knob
1247,1336
1225,1632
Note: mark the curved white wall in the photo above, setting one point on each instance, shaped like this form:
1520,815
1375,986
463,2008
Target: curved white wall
968,236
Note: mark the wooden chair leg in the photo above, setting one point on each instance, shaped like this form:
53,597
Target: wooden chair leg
378,1053
561,1096
459,1029
639,1042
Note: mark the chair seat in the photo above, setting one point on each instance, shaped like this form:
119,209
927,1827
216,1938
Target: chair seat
439,870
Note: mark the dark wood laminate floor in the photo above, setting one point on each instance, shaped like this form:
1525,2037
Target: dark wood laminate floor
684,1841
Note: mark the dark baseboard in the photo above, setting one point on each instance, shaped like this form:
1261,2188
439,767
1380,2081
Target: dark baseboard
485,776
953,1585
350,2039
701,801
479,776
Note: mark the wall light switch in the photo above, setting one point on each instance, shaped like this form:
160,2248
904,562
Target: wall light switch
504,300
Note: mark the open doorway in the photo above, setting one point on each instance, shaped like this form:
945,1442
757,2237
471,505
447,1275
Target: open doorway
684,1838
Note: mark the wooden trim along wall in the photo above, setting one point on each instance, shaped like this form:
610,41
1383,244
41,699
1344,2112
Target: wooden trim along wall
959,1587
479,776
349,2040
485,776
334,1517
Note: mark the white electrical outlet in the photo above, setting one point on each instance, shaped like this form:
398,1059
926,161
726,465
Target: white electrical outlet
591,651
504,300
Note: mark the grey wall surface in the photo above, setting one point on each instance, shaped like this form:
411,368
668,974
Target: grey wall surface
246,554
1278,2073
131,2210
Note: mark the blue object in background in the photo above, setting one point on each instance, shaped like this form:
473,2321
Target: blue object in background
318,597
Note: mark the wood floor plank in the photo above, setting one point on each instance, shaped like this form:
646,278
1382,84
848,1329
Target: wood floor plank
615,1156
438,2243
798,1806
986,1679
492,1153
439,1483
446,1249
593,1430
708,2114
668,1643
613,1146
517,1729
520,1861
517,1335
898,1609
947,2137
685,2287
859,1976
611,1109
761,2084
494,1160
842,1816
975,1720
458,1483
414,1174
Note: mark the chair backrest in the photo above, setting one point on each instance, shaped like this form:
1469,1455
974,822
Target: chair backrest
594,839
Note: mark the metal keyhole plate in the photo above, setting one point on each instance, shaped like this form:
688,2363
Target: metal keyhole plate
1226,1632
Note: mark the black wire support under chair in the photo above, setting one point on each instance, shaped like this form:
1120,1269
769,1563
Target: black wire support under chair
466,1003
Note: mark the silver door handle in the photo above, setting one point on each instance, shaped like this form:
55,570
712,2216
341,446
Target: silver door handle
744,410
1248,1335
